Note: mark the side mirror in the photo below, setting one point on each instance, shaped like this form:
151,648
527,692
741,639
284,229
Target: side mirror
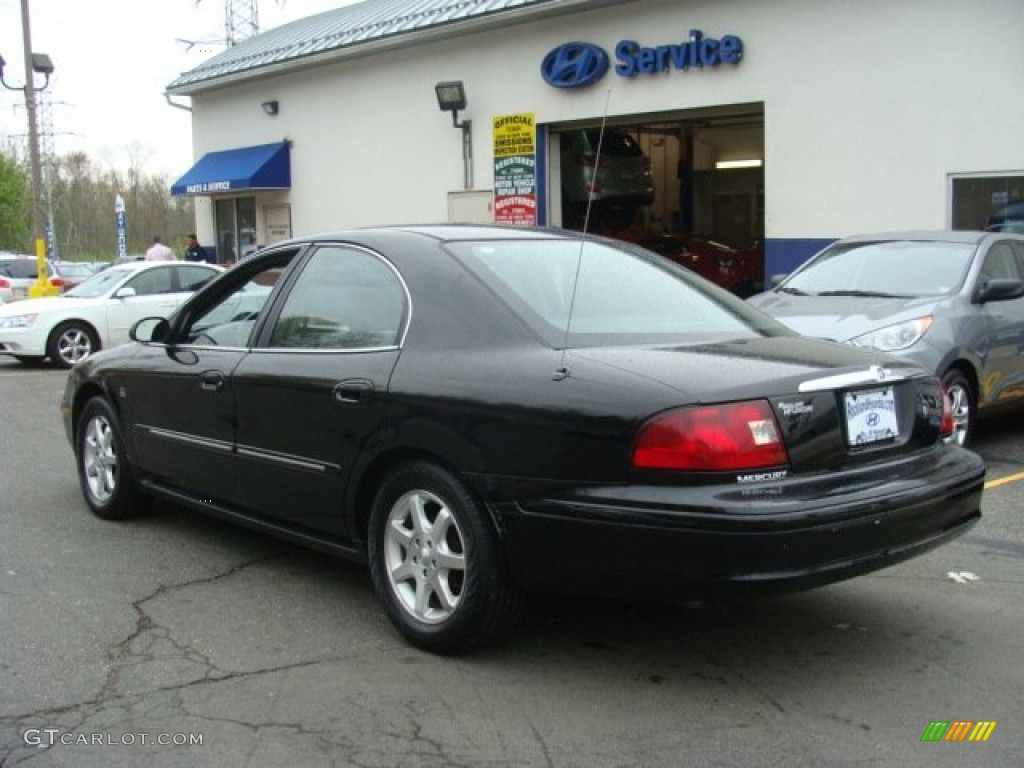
775,280
150,330
124,293
1000,289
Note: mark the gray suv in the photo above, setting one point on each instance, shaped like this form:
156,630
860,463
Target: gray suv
951,301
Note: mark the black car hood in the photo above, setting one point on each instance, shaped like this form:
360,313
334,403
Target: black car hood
733,370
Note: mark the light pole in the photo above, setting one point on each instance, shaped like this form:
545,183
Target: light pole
34,62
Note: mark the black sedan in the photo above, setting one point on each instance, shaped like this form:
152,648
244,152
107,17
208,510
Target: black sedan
482,412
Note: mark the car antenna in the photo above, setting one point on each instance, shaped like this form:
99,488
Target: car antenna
562,372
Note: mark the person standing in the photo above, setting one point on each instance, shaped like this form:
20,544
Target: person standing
159,252
194,251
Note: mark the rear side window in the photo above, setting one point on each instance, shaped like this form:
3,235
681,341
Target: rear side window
194,278
344,299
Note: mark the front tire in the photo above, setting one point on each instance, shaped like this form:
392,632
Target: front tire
103,470
964,404
70,342
436,562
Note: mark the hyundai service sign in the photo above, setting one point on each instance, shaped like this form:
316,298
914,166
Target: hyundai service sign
577,64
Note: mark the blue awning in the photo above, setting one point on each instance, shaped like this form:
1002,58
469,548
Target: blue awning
266,166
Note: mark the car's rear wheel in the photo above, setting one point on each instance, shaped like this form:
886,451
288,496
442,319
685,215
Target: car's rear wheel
436,562
70,342
964,404
103,470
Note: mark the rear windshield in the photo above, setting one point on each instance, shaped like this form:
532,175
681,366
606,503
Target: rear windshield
618,294
19,268
614,144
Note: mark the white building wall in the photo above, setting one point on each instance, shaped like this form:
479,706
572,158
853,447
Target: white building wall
869,107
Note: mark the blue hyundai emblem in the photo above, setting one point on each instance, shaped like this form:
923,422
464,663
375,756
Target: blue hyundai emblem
574,65
873,419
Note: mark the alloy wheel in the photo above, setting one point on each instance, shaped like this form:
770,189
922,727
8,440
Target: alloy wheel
73,345
424,554
99,459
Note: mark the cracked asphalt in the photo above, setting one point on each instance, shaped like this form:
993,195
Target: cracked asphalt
176,626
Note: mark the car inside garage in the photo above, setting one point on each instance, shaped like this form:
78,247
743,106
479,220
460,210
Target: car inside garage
687,185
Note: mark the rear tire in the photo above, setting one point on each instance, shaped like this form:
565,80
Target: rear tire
964,403
436,562
104,473
70,342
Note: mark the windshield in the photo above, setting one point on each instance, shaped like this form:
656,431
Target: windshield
99,284
623,295
892,268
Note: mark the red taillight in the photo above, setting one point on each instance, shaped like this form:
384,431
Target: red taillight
735,436
58,282
4,282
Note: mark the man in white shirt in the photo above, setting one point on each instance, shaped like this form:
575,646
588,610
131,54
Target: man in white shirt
159,252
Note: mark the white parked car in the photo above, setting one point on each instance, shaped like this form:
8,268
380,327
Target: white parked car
99,312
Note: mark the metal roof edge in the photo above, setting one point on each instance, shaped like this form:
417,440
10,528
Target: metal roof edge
449,30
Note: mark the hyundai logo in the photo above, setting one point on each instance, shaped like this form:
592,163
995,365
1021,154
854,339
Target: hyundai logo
873,419
574,65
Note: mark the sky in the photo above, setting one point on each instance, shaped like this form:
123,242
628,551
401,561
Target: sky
112,60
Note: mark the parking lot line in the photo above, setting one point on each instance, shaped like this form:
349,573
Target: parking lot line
1004,480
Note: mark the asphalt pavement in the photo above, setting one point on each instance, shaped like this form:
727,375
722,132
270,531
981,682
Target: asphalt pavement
177,640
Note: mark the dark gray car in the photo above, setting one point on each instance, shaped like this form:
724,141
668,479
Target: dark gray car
951,301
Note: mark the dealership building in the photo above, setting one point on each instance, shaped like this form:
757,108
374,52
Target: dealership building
782,124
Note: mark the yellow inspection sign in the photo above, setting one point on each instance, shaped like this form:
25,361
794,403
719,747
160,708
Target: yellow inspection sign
42,286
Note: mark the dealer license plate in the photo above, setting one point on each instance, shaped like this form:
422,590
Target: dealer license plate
871,416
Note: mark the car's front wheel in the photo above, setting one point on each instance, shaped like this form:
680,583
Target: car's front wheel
70,342
103,470
436,562
963,402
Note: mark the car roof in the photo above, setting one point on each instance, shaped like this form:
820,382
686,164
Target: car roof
440,232
970,237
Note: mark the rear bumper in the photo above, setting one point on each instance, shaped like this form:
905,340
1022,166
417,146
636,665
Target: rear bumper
767,538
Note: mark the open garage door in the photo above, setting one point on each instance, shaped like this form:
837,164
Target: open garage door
689,185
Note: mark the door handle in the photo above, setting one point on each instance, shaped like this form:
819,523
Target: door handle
352,390
211,381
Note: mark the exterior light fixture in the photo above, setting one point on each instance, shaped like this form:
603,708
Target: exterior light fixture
271,107
451,97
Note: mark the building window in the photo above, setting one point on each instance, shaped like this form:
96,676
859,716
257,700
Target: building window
988,202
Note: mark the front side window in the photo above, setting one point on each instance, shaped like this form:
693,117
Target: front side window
1001,262
344,299
230,319
152,282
